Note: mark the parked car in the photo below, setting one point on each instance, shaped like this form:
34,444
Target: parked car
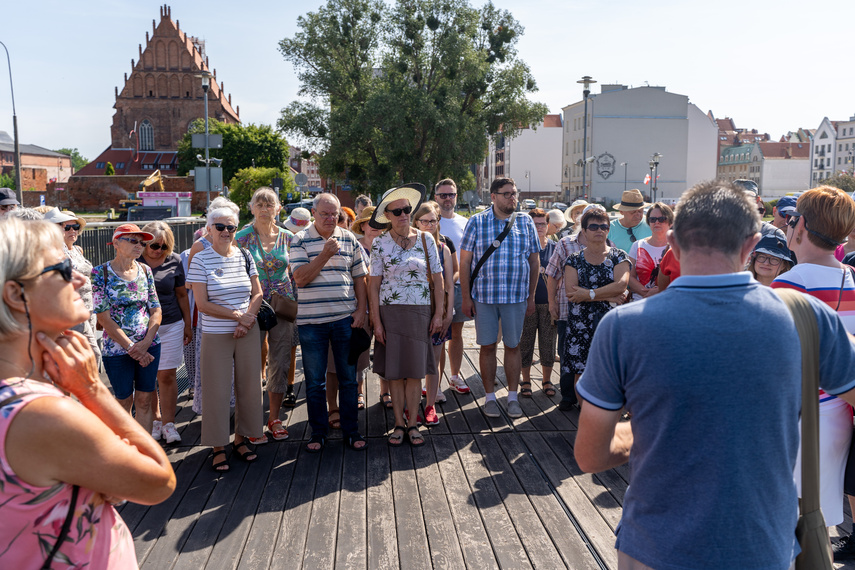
529,204
559,206
304,204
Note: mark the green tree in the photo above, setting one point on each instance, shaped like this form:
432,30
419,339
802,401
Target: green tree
78,161
7,181
242,144
110,170
247,180
841,180
408,92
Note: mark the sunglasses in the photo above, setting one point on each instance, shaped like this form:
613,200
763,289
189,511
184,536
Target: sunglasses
659,219
75,227
444,196
398,211
64,267
132,241
595,227
793,220
220,227
156,246
773,261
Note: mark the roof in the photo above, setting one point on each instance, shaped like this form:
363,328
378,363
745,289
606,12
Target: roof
131,167
552,121
784,150
25,148
725,124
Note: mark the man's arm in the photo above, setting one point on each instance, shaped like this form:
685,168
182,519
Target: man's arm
533,272
602,442
361,302
465,289
307,273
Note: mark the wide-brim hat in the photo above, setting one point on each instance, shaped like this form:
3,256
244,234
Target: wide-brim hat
80,219
568,213
631,200
774,246
299,220
56,217
364,216
126,229
8,197
413,193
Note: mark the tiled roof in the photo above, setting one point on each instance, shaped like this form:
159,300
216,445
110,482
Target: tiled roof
552,121
131,167
784,150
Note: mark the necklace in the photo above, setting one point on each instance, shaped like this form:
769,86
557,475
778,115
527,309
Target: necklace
405,241
15,365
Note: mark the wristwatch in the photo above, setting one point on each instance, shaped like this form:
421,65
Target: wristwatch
591,292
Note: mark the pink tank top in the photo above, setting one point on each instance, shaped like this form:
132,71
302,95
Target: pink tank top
31,517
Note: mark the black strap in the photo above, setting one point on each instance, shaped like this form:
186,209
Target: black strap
66,526
493,247
842,283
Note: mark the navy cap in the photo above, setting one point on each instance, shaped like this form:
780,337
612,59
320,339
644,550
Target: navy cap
786,205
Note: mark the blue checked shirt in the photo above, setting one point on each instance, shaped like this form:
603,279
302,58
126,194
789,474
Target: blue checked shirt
504,277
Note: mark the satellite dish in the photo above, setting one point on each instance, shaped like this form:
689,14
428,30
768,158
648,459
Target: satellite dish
471,198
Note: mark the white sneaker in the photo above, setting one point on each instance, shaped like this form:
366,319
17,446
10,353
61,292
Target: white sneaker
440,396
156,430
171,434
458,385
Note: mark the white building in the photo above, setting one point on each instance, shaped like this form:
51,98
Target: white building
780,168
532,158
629,125
833,149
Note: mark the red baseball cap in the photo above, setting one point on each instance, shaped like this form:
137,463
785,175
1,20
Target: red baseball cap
125,229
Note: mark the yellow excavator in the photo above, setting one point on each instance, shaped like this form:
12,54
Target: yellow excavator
154,178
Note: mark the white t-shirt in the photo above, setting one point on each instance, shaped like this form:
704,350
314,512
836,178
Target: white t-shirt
452,228
228,285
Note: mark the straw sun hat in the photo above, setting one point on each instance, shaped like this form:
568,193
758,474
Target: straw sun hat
413,193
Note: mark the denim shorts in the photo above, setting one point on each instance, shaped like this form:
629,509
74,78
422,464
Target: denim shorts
458,316
126,374
487,317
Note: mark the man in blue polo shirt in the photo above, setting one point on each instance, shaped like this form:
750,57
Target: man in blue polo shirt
503,288
630,227
714,431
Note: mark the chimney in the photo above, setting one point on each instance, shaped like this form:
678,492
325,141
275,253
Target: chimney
238,111
230,98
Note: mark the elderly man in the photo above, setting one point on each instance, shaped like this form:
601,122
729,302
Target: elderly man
330,273
8,201
503,289
712,474
630,227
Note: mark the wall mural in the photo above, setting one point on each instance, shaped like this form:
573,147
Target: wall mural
605,165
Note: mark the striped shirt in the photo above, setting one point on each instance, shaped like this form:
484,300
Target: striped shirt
330,296
563,250
505,276
227,282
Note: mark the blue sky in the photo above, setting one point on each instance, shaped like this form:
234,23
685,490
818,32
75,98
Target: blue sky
774,66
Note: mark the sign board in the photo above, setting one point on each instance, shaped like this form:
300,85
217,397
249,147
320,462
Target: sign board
201,177
41,199
214,141
301,179
346,188
289,196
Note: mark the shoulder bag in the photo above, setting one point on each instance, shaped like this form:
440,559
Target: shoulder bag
284,307
433,297
493,247
811,531
266,316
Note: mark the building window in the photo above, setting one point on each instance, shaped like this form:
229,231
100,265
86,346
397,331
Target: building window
120,165
828,162
148,167
100,165
839,147
166,167
838,160
146,135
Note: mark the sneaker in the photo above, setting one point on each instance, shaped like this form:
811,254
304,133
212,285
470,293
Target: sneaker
844,549
491,409
424,393
565,405
440,397
458,385
431,418
514,409
171,434
418,417
156,430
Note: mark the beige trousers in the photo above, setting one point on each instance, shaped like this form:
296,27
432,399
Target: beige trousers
279,340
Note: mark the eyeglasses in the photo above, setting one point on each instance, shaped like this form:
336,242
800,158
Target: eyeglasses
75,227
507,194
326,215
793,220
595,227
445,196
64,267
659,219
398,211
157,246
761,258
540,224
427,222
220,227
132,241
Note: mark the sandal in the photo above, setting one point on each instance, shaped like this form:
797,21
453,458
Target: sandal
416,440
396,439
219,466
319,439
353,439
277,431
249,455
548,388
290,400
334,423
386,403
525,389
360,401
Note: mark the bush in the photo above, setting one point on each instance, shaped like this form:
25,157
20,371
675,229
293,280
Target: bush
247,180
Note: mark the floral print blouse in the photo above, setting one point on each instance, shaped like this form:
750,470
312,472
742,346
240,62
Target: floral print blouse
129,303
31,518
403,270
272,265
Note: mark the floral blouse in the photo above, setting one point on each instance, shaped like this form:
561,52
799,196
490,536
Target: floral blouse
273,265
403,271
31,518
129,303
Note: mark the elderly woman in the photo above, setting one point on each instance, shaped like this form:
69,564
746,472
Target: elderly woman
125,300
426,219
592,278
71,226
269,244
64,461
557,225
175,330
346,217
228,294
771,257
823,218
646,254
402,261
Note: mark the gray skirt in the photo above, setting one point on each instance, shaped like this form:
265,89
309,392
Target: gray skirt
408,352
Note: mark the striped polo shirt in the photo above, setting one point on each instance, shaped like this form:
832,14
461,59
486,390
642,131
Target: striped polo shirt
227,283
330,296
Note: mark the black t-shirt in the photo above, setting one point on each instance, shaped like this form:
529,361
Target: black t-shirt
167,276
447,241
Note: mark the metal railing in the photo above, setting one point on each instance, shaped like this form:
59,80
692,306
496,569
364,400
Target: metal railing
96,235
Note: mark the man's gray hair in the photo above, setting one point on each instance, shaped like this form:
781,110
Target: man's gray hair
26,214
715,215
327,195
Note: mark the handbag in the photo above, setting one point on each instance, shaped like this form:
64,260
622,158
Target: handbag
811,531
433,299
266,316
284,307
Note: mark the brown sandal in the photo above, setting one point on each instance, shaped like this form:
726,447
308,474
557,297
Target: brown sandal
548,388
334,423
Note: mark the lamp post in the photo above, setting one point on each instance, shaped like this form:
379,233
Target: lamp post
586,81
18,187
206,84
624,164
528,176
654,183
650,164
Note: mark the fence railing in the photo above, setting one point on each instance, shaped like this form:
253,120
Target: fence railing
96,235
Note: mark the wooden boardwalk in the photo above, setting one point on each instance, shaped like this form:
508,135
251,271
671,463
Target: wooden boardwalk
483,493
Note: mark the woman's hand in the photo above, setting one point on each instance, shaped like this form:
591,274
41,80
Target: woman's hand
138,350
578,294
246,320
436,324
240,331
379,332
188,334
69,362
449,315
146,359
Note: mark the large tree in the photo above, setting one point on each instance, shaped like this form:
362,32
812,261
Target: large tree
78,161
409,92
244,146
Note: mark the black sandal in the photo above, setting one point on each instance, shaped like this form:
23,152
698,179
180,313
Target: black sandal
321,439
290,400
525,389
386,403
548,388
354,438
223,465
249,455
418,440
394,440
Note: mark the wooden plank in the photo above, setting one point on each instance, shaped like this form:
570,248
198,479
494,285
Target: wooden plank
451,412
134,514
473,411
298,510
532,418
382,534
609,480
261,543
504,539
351,545
409,520
323,523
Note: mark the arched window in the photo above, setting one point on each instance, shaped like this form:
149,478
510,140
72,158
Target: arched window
146,135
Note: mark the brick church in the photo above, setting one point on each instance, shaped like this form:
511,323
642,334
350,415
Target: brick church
159,101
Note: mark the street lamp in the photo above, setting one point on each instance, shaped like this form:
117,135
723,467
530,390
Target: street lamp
18,187
528,175
654,168
587,82
624,164
206,84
